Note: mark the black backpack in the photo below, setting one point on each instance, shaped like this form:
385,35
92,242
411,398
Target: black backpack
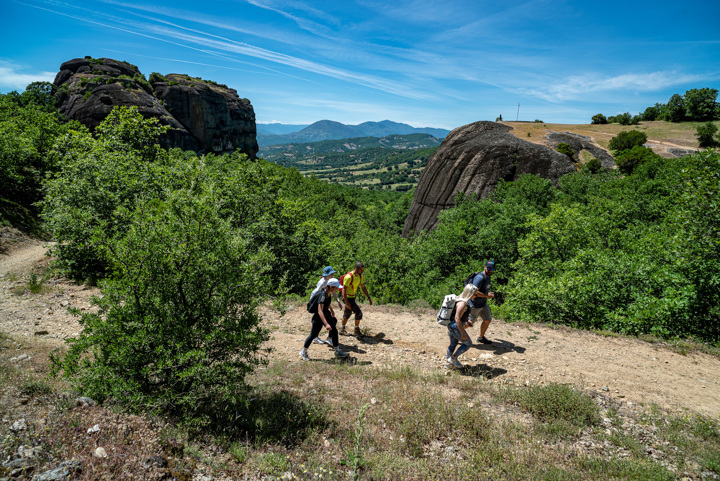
469,279
312,305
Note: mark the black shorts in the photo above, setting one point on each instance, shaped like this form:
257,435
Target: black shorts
353,308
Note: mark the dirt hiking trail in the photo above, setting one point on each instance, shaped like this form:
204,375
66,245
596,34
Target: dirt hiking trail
628,370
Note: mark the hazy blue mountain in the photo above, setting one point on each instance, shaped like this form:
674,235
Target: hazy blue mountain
279,129
330,130
387,127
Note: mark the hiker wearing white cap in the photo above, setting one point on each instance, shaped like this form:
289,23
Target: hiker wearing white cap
327,274
324,316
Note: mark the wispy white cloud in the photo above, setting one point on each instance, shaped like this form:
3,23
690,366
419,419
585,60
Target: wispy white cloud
241,48
575,87
284,8
13,77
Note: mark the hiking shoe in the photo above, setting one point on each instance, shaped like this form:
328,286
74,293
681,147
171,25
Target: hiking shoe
483,340
455,363
317,340
448,364
357,332
341,355
343,332
304,356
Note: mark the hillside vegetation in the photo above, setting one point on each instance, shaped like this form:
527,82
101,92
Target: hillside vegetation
185,249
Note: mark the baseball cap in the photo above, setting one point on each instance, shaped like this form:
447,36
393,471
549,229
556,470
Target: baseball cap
334,283
328,270
490,265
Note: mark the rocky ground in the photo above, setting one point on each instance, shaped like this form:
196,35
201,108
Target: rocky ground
629,373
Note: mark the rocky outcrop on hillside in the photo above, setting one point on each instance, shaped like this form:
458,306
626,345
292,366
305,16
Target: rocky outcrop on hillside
472,159
581,142
202,115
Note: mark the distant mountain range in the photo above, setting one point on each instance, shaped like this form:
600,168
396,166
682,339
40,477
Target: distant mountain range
295,152
330,130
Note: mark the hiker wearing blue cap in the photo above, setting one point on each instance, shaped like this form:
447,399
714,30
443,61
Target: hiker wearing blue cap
478,305
327,274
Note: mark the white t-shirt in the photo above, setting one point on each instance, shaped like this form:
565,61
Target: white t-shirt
322,284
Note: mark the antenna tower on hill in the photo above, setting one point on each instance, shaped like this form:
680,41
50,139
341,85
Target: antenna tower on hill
518,114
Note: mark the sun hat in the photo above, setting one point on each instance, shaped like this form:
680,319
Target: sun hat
328,270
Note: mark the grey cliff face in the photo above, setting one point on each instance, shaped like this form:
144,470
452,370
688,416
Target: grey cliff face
581,142
202,116
216,116
472,159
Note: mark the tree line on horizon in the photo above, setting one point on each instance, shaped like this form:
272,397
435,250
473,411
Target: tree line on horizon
184,248
697,105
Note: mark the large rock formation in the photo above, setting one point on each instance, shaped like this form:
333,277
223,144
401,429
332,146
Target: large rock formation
215,115
203,116
472,159
581,142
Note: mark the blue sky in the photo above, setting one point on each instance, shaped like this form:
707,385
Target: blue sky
421,62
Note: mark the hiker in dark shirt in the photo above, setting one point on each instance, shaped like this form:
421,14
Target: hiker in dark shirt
478,305
324,317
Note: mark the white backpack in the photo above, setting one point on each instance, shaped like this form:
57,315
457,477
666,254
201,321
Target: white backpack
444,317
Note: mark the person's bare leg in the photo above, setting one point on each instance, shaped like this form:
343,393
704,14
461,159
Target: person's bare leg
483,328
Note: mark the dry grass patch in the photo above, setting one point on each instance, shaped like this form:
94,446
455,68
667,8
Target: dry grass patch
347,421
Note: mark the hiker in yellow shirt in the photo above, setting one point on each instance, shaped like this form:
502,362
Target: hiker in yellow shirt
351,282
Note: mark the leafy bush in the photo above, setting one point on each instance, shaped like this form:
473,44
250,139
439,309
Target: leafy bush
634,254
650,113
706,135
675,109
592,166
599,119
628,160
566,149
140,80
94,178
27,133
177,328
627,140
701,104
156,77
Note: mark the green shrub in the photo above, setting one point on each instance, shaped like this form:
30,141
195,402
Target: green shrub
566,149
177,328
627,140
156,77
651,113
29,126
627,119
705,134
96,177
173,82
628,160
140,80
592,166
599,119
